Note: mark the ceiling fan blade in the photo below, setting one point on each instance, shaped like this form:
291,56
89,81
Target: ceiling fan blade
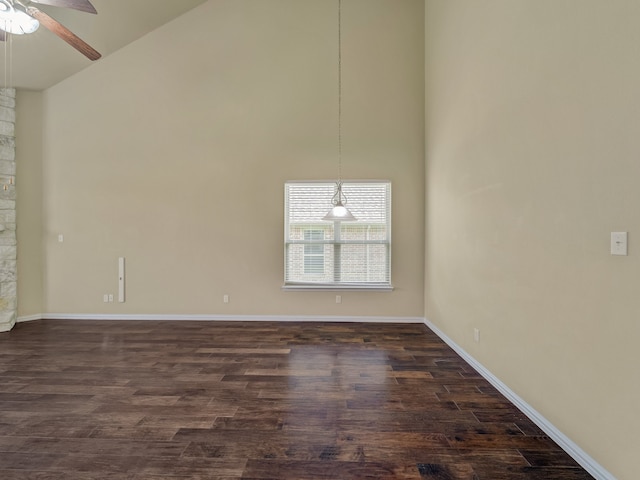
82,5
64,33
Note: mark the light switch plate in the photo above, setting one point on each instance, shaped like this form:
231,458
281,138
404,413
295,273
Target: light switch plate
618,243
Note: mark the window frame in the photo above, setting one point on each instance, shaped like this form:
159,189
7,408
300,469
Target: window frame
337,243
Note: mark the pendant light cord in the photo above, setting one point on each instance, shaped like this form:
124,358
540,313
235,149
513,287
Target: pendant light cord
340,91
6,58
339,212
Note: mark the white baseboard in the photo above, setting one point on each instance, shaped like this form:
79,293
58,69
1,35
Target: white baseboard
579,455
30,318
225,318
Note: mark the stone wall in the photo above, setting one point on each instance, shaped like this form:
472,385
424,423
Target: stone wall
8,249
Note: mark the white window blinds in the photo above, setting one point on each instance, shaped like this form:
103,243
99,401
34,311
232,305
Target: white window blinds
338,254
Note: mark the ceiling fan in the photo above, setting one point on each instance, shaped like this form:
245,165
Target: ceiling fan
21,16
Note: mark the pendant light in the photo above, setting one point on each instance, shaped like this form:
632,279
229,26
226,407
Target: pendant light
339,212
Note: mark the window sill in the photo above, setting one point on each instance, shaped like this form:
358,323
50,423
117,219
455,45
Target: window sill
337,288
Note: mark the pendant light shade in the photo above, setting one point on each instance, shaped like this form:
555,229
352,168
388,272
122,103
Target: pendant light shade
339,212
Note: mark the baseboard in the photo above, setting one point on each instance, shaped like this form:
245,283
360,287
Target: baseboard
30,318
579,455
229,318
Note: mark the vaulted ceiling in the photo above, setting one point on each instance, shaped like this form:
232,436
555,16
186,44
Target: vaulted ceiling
41,59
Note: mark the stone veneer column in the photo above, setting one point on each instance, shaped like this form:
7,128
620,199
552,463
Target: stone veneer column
8,243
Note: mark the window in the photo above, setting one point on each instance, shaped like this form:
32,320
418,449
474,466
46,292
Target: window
321,254
314,252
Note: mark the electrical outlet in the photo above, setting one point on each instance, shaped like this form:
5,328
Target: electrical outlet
225,298
338,298
110,297
476,334
105,298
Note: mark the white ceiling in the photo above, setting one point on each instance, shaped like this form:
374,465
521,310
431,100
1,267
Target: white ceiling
40,60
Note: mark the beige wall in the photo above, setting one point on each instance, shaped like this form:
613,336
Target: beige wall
173,153
29,202
532,160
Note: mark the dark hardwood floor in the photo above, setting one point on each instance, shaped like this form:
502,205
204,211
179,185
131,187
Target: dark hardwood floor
199,400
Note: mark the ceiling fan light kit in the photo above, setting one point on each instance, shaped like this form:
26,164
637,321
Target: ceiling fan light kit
19,17
16,21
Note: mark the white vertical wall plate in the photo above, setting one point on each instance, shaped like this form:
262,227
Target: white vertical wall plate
121,273
618,243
